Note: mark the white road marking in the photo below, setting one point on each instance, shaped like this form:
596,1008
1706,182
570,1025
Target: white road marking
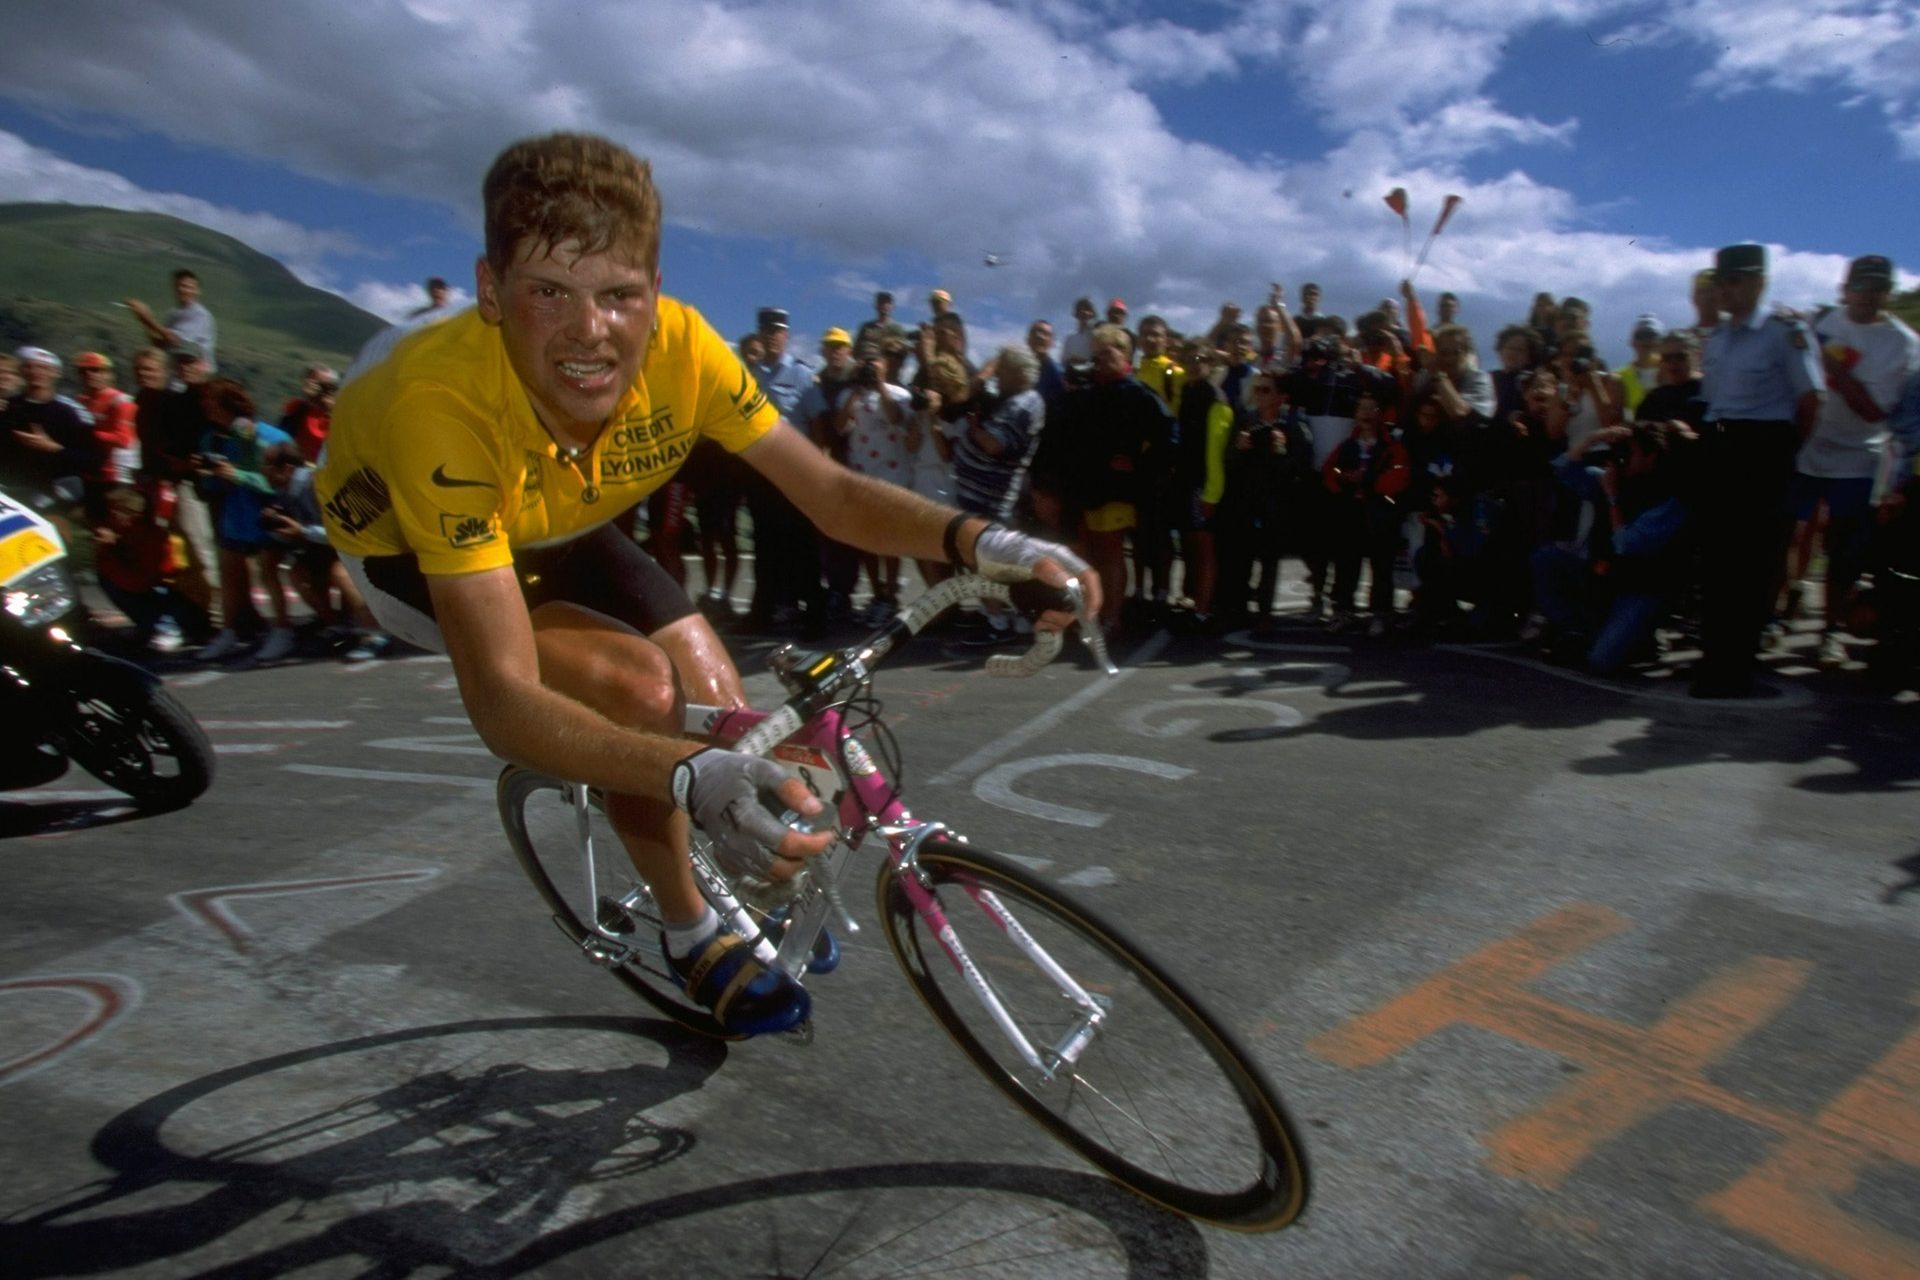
1006,743
1136,719
435,744
389,775
249,748
1787,695
1091,878
215,725
195,679
996,785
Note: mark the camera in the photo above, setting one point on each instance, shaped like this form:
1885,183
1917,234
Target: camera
867,377
917,397
1601,455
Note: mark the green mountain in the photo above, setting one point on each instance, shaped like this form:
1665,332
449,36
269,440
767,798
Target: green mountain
65,270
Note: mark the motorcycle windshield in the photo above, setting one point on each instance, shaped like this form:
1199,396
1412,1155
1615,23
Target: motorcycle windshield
26,541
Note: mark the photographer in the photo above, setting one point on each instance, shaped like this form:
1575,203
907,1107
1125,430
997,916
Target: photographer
1594,397
873,420
292,519
1603,599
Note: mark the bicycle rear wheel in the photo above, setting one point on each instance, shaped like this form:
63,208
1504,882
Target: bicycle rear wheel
614,923
1162,1099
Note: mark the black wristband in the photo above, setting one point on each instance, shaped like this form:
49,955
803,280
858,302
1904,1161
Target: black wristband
950,540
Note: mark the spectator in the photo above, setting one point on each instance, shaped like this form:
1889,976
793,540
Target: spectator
839,564
1276,338
1117,316
189,324
786,579
116,438
1642,373
1868,356
1454,378
1763,392
991,460
1268,467
1238,367
1604,600
231,474
883,328
1447,308
1204,423
291,517
1111,440
873,418
1366,475
1593,394
1521,351
1676,398
309,416
45,438
10,381
1223,326
1542,317
1153,535
939,303
1077,350
133,561
1052,380
439,301
1327,388
170,416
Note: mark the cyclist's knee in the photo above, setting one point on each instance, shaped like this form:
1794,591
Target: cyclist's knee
619,673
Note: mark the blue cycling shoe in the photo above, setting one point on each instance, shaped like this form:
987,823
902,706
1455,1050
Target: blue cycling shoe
745,997
826,948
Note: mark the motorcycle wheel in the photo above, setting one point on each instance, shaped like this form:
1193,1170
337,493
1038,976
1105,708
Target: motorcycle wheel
142,742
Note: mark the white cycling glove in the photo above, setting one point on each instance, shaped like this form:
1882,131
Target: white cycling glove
720,790
1006,555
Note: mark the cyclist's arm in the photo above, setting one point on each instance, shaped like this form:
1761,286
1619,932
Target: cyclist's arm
489,637
873,515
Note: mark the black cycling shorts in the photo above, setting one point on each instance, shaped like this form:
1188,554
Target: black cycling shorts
604,570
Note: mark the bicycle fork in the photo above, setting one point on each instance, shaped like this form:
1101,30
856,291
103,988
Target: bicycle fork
1048,1060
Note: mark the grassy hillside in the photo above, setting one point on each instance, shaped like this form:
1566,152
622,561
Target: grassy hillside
63,269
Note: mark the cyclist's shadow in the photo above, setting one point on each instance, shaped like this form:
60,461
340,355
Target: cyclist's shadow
467,1167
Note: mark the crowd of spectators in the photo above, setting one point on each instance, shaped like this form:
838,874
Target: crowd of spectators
1546,498
194,506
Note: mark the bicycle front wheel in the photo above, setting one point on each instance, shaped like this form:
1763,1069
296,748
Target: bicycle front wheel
1160,1097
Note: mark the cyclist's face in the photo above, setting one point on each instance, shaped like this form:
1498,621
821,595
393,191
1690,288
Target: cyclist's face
576,328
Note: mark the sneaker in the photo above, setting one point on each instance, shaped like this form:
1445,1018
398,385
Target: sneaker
1832,652
744,996
277,645
221,646
1339,620
1376,627
372,645
1317,610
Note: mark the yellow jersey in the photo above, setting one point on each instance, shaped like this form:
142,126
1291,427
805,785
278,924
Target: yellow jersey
436,451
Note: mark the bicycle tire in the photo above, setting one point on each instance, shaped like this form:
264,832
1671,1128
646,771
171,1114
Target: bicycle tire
542,836
1154,1125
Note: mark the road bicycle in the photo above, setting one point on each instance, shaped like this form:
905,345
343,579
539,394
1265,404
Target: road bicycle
1080,1028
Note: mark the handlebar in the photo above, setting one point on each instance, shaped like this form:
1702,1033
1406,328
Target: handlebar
1031,599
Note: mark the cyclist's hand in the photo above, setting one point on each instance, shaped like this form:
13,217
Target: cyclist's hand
1007,555
722,792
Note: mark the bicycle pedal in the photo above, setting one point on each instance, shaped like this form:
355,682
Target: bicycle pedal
612,917
801,1035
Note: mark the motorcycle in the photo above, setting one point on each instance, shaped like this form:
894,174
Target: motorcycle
62,700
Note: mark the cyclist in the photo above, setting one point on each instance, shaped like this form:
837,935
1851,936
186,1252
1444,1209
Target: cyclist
473,482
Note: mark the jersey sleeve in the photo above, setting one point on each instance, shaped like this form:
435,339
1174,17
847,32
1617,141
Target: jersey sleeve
732,411
448,486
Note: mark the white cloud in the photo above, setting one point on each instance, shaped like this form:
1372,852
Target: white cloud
29,173
394,302
863,129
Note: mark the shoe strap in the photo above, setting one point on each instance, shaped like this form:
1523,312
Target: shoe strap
711,955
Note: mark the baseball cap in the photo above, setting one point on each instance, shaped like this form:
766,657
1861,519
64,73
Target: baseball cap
885,295
92,360
772,318
836,338
1743,259
1871,272
37,355
1116,304
1648,323
940,295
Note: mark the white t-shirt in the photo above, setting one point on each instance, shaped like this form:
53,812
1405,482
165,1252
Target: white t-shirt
876,446
1881,356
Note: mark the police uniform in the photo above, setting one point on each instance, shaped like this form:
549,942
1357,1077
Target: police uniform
786,546
1756,372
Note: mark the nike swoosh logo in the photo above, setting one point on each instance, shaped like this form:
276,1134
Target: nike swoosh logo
445,481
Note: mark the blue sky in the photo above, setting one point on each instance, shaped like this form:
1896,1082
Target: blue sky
1173,154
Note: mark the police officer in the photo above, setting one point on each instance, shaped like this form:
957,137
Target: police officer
786,549
1763,391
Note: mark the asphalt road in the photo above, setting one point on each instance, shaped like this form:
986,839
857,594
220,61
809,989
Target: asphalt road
1559,976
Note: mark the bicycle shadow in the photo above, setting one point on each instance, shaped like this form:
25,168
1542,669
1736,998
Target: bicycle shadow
444,1168
488,1164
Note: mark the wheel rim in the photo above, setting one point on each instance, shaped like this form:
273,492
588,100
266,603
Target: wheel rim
1152,1101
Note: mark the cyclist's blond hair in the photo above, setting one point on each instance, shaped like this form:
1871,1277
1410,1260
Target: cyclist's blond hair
574,189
